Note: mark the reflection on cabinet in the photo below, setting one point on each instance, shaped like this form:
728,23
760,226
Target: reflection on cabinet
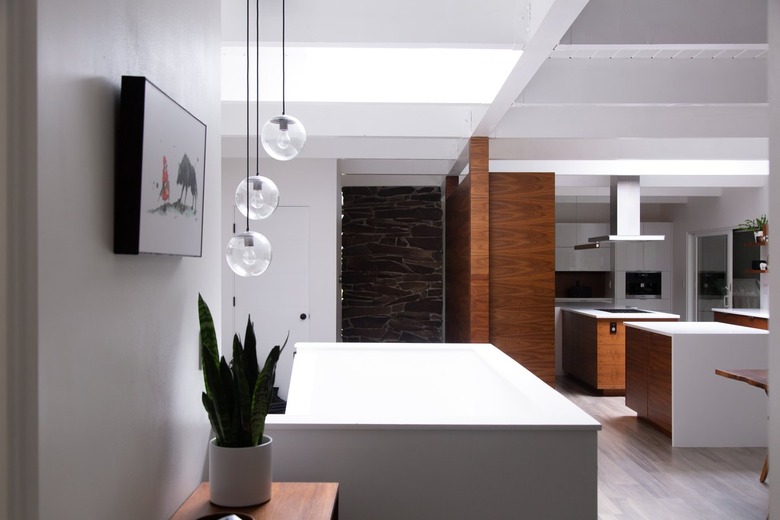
649,377
568,235
646,256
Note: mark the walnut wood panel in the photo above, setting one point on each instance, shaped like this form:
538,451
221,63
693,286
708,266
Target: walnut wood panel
637,354
579,348
744,321
289,501
457,322
659,383
594,355
649,377
467,251
522,269
480,239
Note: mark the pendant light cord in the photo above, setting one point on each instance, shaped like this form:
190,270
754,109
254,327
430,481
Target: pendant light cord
283,69
257,86
247,110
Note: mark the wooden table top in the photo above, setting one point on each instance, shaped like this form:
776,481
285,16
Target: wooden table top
752,376
289,501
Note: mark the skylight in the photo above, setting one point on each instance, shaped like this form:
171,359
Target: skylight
371,75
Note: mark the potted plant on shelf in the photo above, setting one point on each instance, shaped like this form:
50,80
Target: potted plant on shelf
237,399
759,226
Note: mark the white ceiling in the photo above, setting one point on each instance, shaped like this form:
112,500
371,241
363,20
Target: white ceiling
673,91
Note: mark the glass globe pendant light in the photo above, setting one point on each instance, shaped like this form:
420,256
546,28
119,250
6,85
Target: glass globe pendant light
249,253
257,197
283,136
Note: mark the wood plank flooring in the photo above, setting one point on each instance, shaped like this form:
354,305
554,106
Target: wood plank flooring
642,477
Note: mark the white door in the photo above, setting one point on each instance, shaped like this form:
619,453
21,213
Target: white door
278,299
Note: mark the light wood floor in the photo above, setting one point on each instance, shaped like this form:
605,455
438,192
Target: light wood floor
642,477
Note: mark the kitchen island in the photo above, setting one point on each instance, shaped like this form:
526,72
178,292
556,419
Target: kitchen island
593,345
429,431
756,318
671,382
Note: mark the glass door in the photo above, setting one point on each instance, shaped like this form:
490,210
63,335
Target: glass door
725,276
713,274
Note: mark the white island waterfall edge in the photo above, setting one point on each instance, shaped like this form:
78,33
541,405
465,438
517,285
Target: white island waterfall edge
421,431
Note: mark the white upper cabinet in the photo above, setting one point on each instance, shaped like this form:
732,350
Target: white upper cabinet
646,256
568,235
565,235
658,255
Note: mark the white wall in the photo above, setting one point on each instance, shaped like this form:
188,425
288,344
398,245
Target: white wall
120,429
705,214
301,182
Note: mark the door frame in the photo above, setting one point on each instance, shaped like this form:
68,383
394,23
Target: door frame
691,259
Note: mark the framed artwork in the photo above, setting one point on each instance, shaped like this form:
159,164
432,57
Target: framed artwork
159,174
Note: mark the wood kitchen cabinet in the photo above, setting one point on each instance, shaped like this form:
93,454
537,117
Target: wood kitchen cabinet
649,377
594,347
756,322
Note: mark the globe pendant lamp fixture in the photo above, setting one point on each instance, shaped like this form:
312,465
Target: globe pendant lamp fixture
283,136
249,253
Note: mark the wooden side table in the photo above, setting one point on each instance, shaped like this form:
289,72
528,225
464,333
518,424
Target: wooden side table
754,377
289,501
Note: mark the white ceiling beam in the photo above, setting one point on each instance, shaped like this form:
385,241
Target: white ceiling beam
616,121
645,168
557,17
670,21
755,148
361,119
648,81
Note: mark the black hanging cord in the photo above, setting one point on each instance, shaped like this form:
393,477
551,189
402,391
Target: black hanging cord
283,71
257,86
247,113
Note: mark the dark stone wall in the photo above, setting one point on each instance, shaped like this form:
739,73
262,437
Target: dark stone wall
391,270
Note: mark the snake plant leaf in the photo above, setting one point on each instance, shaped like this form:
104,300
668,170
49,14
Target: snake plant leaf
243,397
263,393
208,336
216,391
226,405
213,419
250,354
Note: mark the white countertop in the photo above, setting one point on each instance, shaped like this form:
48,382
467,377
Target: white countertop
647,315
412,385
752,313
672,328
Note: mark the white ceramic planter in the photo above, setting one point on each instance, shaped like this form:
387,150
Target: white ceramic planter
240,476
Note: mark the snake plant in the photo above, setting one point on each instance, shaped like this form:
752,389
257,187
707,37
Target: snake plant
238,396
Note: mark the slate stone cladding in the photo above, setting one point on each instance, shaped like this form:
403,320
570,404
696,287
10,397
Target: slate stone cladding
392,264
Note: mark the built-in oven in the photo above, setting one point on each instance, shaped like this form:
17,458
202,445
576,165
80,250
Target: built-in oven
643,284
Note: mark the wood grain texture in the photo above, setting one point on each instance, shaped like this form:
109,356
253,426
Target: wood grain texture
642,477
744,321
522,269
480,239
600,354
636,371
467,275
659,383
289,501
649,386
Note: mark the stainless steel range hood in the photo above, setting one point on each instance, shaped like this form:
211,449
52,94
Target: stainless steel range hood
624,206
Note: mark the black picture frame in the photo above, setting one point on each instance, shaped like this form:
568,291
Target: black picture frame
156,134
